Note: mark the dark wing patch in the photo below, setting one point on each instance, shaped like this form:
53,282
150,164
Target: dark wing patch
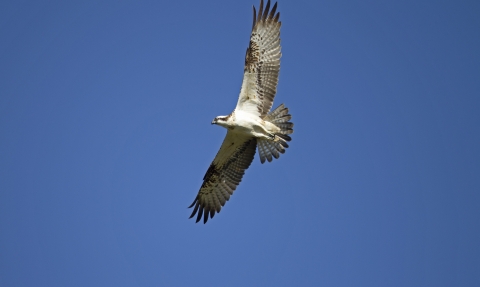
223,176
263,55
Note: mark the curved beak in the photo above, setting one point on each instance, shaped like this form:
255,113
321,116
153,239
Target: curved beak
214,121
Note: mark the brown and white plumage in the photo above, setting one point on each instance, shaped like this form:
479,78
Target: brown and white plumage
249,124
224,174
262,63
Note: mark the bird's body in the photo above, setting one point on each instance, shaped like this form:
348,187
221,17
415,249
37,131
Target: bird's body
251,124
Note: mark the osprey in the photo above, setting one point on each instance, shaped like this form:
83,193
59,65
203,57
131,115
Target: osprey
250,124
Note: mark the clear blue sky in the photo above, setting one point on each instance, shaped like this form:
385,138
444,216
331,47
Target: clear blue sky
105,135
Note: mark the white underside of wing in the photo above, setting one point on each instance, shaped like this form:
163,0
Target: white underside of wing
248,101
232,141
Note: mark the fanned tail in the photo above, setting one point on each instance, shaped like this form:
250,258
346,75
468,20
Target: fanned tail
272,148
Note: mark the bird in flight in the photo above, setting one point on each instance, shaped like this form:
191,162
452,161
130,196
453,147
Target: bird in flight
250,125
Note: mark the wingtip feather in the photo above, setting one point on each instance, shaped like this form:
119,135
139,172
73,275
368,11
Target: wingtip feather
205,216
254,17
200,213
265,12
272,13
260,11
193,203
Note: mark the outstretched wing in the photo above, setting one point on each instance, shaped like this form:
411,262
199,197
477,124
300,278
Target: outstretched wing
262,63
223,175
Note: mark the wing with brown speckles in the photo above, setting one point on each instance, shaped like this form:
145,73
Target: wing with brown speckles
223,175
262,63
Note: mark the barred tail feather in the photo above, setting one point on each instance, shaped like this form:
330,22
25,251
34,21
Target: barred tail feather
272,148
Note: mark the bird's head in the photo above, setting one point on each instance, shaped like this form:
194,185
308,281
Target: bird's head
221,121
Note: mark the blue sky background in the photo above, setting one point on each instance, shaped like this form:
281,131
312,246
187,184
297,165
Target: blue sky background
105,135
